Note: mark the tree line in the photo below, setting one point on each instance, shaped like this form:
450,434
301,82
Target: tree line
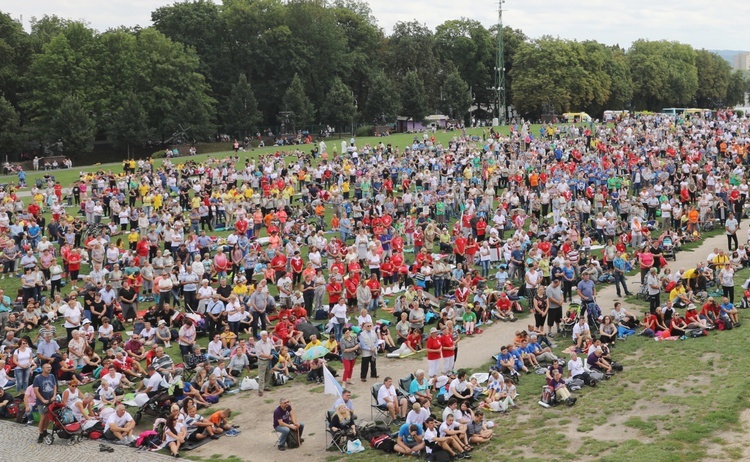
238,67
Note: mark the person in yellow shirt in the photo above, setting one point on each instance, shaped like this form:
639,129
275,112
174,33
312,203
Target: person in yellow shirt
313,342
720,259
158,201
195,202
143,190
133,238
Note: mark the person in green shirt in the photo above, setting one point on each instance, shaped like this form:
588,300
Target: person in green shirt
470,321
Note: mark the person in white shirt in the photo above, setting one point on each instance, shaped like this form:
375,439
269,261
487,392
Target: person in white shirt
418,415
119,426
389,399
581,332
434,442
216,349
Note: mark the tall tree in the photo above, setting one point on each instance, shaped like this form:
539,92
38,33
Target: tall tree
129,124
664,74
242,114
10,130
736,89
200,24
73,125
621,88
339,108
296,102
384,102
412,47
413,97
713,79
15,57
456,98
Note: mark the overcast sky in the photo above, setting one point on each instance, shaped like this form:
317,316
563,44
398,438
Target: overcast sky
710,24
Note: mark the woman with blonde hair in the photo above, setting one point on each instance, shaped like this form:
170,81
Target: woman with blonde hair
343,421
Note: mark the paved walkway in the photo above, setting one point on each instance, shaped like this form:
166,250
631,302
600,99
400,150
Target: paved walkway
18,444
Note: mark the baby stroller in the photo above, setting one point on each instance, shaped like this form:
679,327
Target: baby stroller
64,424
667,248
570,319
158,405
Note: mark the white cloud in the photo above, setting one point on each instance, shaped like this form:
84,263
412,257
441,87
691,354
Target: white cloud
701,23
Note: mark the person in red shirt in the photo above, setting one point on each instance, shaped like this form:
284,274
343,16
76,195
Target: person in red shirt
503,305
710,310
418,237
434,348
335,291
74,264
241,226
278,263
350,289
481,229
462,294
387,271
339,265
374,286
471,250
448,350
459,249
143,247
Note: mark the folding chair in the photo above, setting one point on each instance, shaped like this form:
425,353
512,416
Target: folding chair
404,384
337,438
378,412
278,438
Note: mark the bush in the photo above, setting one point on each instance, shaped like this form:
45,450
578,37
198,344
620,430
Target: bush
365,130
740,113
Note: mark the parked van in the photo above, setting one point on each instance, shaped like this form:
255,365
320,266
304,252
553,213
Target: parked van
576,117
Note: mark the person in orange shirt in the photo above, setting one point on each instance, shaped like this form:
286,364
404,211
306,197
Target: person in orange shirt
335,222
692,220
268,219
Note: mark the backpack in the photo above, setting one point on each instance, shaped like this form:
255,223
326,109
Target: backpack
383,443
148,439
278,379
548,396
596,375
695,333
292,441
371,431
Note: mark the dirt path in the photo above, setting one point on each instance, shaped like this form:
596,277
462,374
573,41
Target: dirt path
257,439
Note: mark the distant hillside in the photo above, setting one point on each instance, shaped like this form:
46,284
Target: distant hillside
728,54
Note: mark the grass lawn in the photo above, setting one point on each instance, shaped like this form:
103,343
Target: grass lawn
678,400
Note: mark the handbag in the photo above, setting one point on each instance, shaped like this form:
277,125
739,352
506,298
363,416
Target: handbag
248,384
354,446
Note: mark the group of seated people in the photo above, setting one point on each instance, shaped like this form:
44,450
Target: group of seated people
666,322
459,427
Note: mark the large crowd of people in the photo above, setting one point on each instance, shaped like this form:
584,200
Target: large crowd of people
286,261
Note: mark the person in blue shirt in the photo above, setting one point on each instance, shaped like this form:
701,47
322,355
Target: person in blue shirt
729,311
619,275
410,439
517,353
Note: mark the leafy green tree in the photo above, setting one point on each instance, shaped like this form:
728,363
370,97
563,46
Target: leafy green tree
736,89
412,47
69,65
384,102
456,96
129,124
664,74
15,57
10,130
339,108
201,25
469,47
713,79
296,102
621,82
242,114
73,125
413,97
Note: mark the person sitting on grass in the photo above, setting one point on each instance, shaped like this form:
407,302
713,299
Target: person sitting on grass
527,354
543,354
410,440
175,434
728,311
470,321
561,390
608,331
503,308
199,428
596,361
119,426
412,344
212,389
507,362
476,430
220,420
696,321
435,444
450,427
678,325
581,332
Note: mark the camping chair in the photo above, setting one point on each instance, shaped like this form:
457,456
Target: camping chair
378,412
337,438
403,386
